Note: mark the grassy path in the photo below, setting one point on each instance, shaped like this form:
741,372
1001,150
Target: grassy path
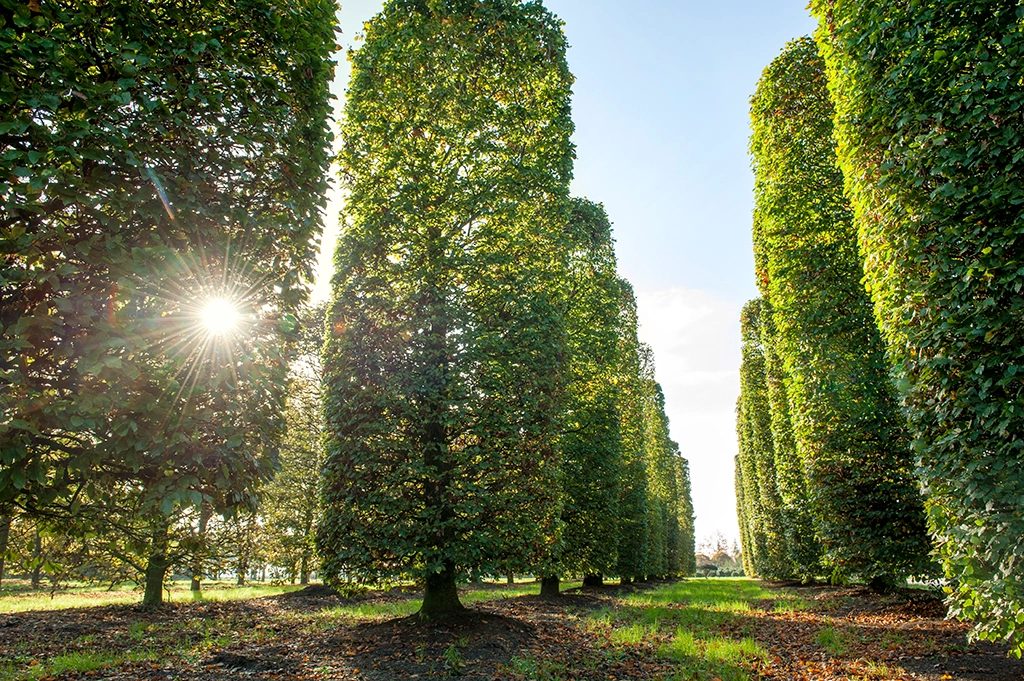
724,629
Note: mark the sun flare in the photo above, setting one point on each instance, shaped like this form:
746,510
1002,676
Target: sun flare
220,316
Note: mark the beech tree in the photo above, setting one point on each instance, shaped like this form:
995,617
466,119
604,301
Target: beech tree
155,157
591,444
446,343
928,103
763,505
633,528
790,476
849,432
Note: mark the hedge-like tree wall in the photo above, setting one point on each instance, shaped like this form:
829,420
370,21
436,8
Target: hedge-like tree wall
929,107
848,428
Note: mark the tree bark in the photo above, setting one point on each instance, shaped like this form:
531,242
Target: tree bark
625,580
5,533
304,570
510,579
593,580
441,596
549,586
156,567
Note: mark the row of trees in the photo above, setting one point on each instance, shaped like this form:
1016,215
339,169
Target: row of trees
926,102
155,157
824,464
489,408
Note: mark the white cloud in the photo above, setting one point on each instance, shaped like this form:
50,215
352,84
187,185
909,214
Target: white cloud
695,337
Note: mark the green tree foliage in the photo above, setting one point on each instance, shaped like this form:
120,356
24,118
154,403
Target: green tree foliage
659,454
790,478
849,431
591,444
633,530
743,511
928,108
153,156
446,343
762,501
684,513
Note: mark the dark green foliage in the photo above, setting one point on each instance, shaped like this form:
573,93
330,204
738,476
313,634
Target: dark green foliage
445,345
929,103
592,445
763,503
848,429
152,156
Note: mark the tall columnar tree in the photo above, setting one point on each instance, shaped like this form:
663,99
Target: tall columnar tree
153,155
771,555
743,514
633,529
591,443
849,431
928,108
790,477
445,338
684,512
661,453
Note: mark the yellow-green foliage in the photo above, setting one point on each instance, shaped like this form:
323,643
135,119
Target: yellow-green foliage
849,433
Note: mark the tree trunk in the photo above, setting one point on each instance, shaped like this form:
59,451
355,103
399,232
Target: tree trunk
625,580
304,570
549,586
37,553
156,567
510,579
205,511
5,533
441,596
593,580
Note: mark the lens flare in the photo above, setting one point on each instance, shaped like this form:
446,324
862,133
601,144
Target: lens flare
220,317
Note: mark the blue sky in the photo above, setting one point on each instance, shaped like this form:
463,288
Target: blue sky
660,106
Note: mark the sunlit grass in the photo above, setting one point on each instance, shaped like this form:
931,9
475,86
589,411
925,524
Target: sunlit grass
86,597
712,658
685,621
80,662
631,634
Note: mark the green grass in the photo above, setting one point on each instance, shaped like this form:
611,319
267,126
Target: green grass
832,641
686,621
77,661
89,597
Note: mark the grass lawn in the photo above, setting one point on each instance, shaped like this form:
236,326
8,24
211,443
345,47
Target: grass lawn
19,598
696,630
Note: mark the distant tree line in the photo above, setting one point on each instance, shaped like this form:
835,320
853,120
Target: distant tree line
890,210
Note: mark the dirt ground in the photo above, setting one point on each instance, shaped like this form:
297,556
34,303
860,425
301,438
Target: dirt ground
315,634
